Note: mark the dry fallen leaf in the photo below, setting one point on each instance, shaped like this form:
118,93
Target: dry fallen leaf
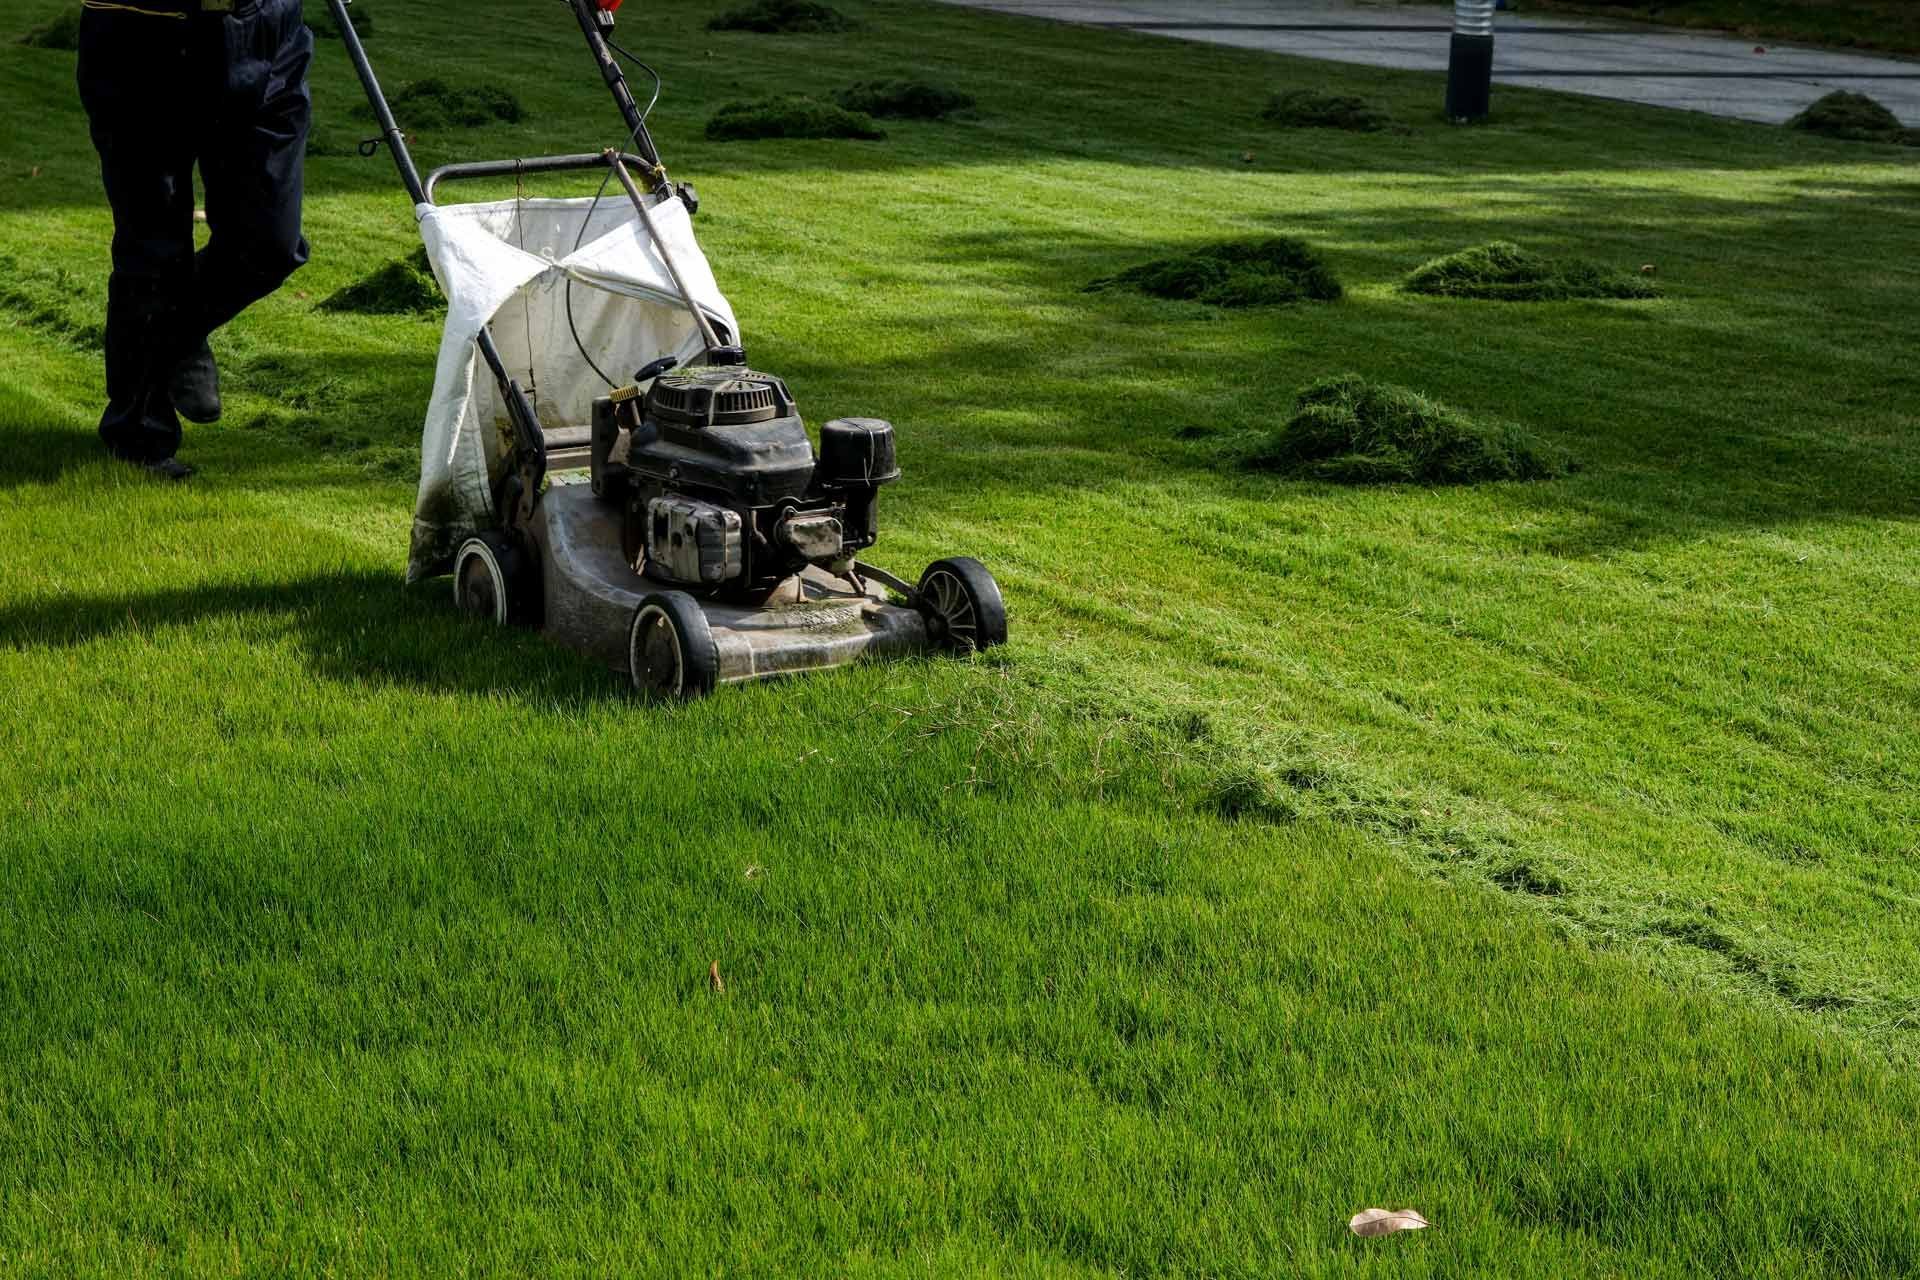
34,172
719,985
1381,1222
1646,268
1246,157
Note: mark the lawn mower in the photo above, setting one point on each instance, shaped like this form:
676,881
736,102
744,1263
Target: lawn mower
674,520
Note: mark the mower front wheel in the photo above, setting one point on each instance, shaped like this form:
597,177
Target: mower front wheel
962,605
670,649
491,580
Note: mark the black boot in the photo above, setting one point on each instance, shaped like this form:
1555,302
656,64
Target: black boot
195,386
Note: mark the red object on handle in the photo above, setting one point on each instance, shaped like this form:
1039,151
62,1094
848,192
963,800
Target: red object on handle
608,6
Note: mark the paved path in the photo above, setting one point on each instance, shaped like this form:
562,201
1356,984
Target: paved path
1527,58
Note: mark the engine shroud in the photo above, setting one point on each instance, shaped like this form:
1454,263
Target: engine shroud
732,437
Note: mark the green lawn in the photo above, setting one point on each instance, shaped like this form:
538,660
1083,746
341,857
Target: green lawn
1540,856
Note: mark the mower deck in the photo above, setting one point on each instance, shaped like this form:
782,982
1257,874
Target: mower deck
813,620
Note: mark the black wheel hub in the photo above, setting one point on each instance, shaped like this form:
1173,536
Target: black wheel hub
950,611
660,663
477,595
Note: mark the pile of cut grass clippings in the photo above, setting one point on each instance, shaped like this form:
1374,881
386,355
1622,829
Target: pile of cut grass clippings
790,116
432,103
1316,109
1505,272
320,19
404,287
59,32
1854,117
782,17
903,99
1271,271
1347,430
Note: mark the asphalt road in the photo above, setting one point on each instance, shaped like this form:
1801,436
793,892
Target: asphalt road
1537,51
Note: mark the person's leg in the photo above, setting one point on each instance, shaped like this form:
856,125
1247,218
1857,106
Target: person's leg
139,124
252,157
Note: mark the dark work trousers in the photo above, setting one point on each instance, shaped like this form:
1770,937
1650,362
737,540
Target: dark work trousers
167,86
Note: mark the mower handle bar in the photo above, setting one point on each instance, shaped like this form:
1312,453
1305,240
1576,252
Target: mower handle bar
476,169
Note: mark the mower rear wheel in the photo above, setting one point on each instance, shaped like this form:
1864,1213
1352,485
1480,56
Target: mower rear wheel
962,605
491,581
670,649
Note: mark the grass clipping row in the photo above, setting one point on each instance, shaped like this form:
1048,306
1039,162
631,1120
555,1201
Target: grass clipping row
1854,117
1347,430
1505,272
903,99
1317,109
59,32
432,103
404,287
782,17
790,116
1237,273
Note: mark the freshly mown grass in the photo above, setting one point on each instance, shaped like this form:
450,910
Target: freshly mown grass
403,287
1504,272
781,17
790,116
62,31
433,103
1271,271
1318,109
1854,117
1347,430
1539,856
903,99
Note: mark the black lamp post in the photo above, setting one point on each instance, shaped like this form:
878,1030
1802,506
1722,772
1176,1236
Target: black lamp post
1470,61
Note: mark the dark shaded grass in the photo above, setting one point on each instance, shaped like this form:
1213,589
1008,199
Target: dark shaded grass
59,32
320,19
789,116
433,103
1350,431
1318,109
782,17
1271,271
404,287
1854,117
1504,272
903,99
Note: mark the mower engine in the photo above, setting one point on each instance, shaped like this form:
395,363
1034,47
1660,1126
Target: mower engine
720,489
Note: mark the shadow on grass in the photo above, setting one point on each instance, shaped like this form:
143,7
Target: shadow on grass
296,419
359,628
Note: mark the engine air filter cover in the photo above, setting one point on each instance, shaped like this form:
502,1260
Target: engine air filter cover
728,395
858,451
